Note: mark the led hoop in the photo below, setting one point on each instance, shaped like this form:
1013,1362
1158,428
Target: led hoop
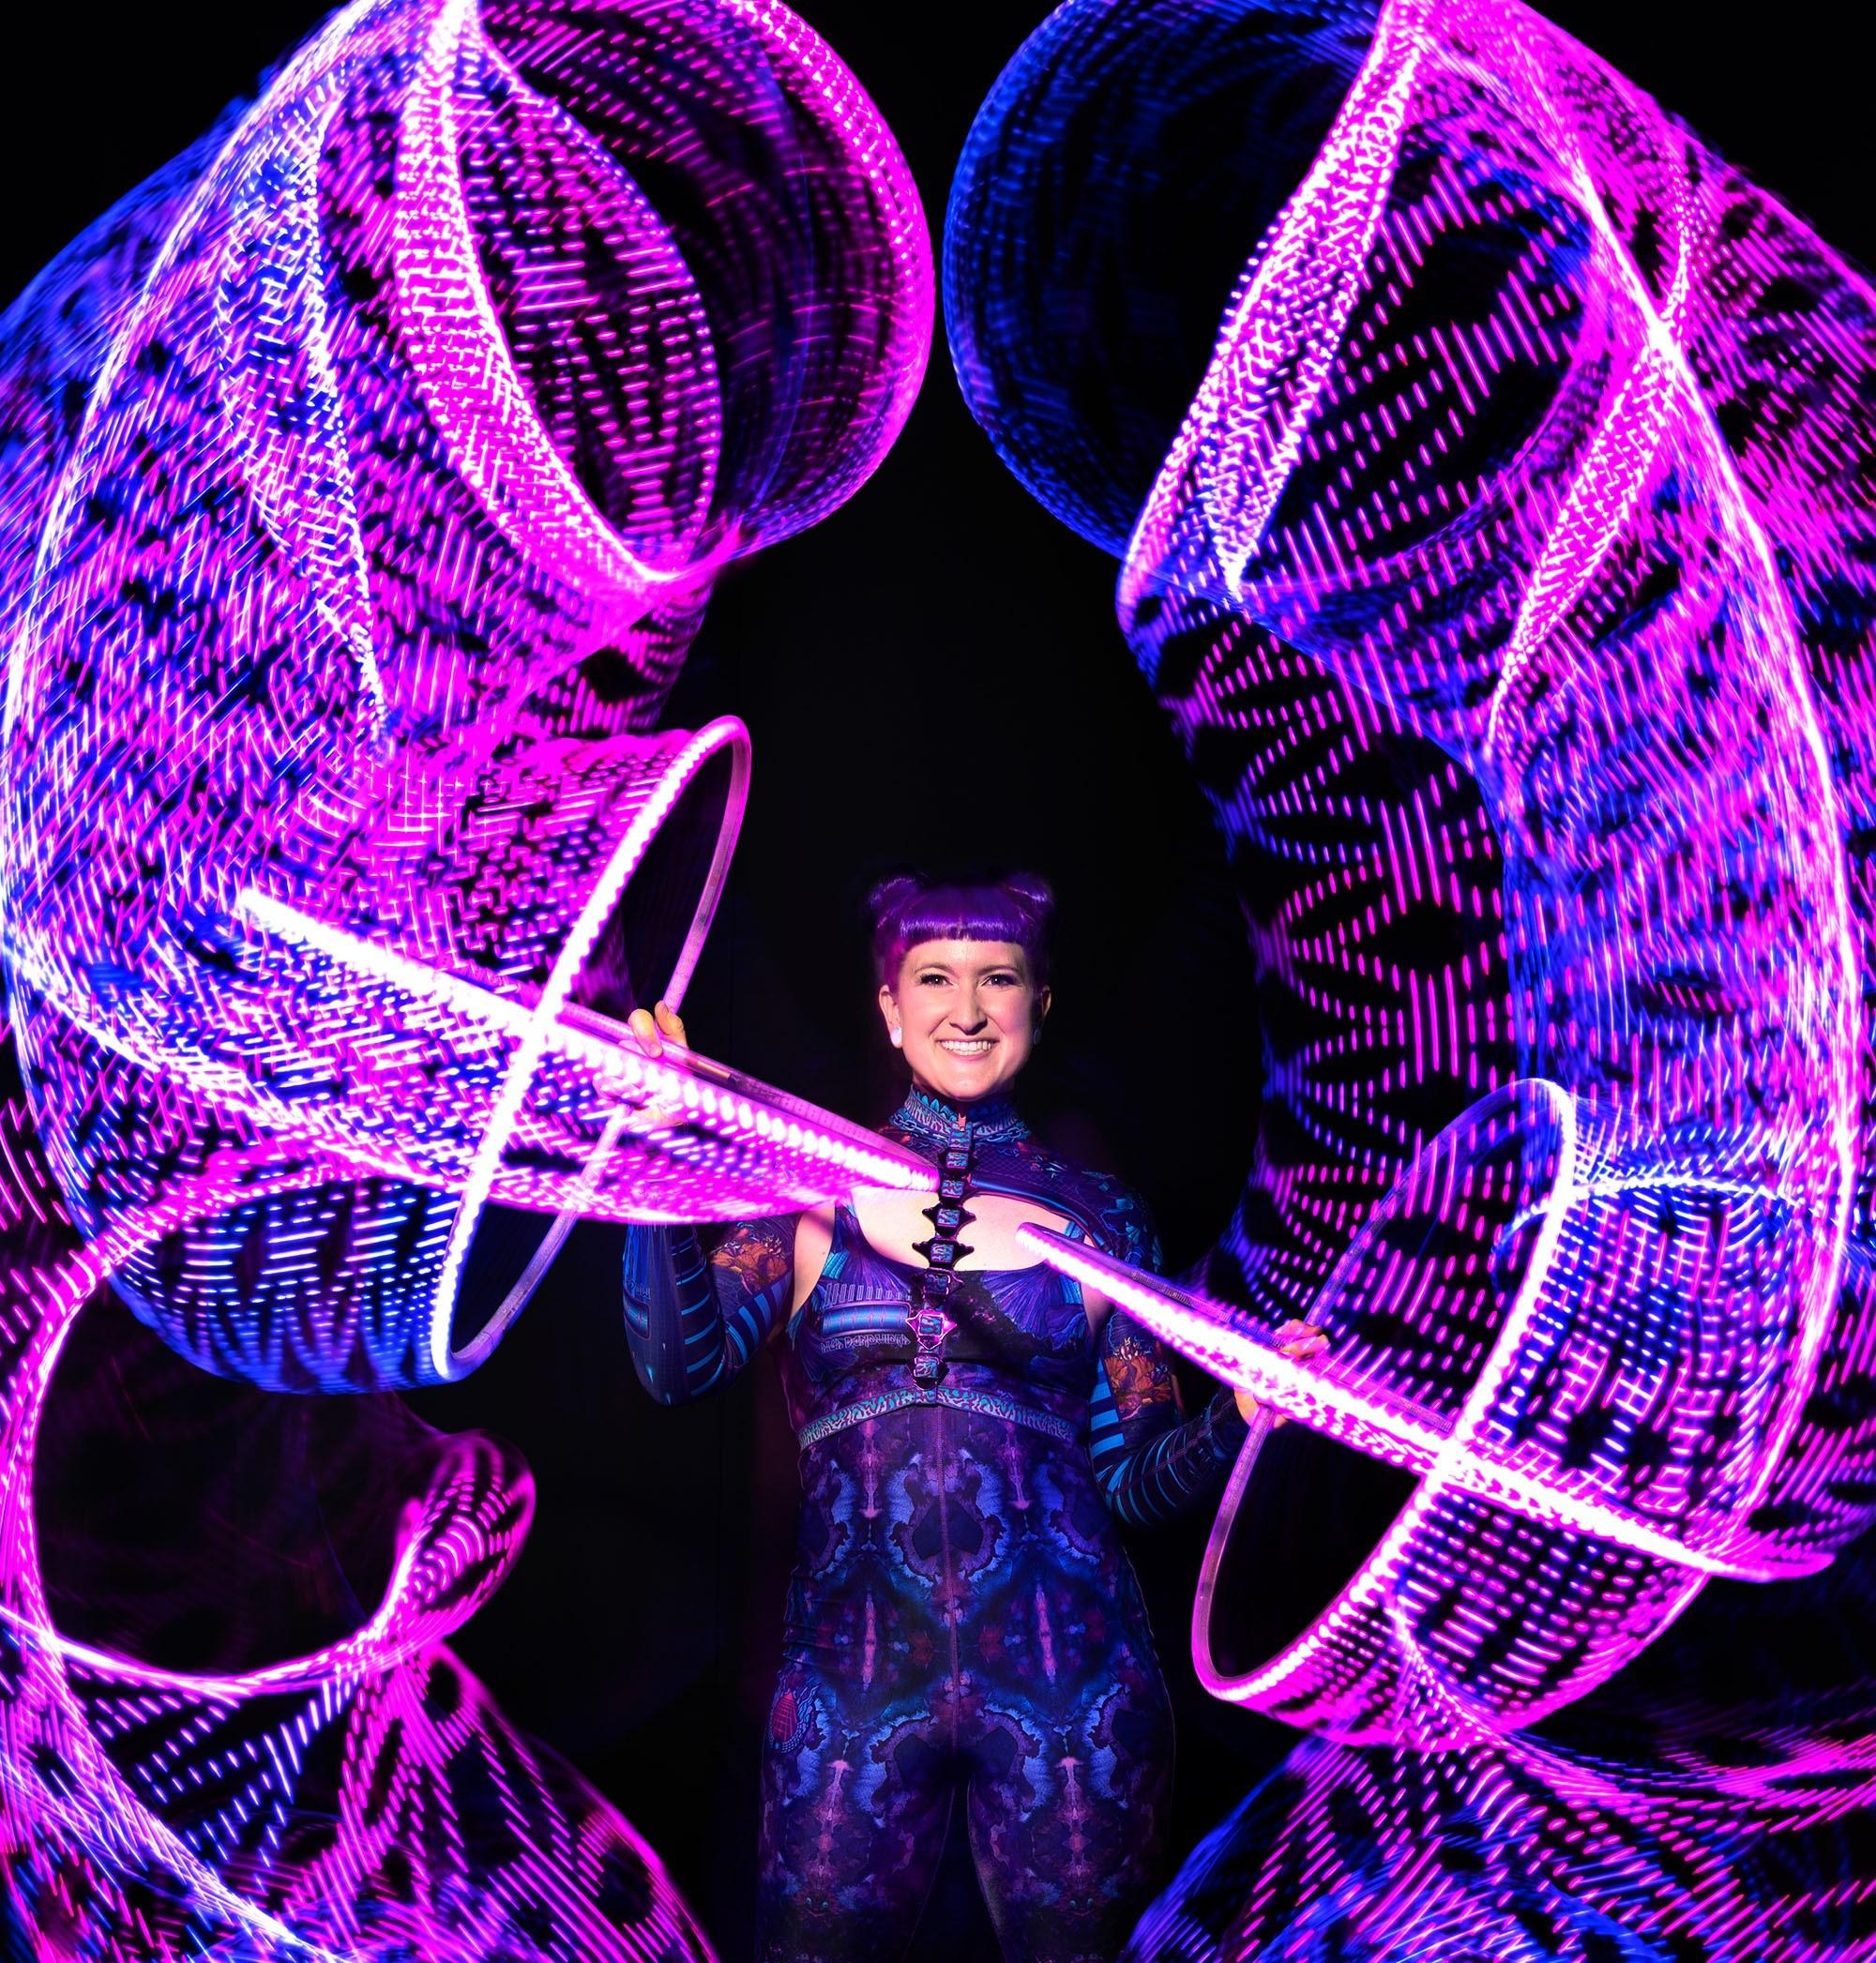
1456,1455
332,753
463,367
450,1361
64,1294
1513,617
698,1091
1491,550
725,730
423,1599
626,1118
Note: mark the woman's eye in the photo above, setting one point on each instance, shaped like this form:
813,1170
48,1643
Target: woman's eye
1001,981
934,981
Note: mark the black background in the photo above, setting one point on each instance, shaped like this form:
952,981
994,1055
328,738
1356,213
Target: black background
933,671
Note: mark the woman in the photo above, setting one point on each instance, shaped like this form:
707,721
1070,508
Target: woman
961,1616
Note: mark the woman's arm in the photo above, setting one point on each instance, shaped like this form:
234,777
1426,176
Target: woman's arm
1152,1461
693,1320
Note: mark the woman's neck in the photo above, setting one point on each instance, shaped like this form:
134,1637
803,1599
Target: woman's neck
930,1114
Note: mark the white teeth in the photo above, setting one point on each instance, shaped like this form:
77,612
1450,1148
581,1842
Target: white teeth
975,1048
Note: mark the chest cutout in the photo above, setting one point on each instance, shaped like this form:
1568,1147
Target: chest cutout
892,1221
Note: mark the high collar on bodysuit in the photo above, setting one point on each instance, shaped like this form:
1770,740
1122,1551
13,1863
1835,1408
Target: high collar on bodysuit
937,1122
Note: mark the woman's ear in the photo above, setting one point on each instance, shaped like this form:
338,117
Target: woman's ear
888,1003
1043,998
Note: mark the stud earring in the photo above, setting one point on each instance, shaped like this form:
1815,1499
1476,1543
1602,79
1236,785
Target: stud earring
897,1038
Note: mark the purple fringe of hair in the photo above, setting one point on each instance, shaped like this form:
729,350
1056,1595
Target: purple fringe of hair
908,910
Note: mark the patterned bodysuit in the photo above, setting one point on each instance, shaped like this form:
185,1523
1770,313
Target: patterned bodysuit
961,1618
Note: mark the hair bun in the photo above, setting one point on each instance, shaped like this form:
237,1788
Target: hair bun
890,895
1035,891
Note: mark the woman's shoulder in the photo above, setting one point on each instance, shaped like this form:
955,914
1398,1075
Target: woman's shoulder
1112,1213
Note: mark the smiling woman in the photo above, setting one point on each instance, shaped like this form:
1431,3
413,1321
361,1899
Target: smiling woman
970,1013
961,1618
965,1006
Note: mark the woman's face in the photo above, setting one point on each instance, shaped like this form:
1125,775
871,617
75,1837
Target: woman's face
965,1013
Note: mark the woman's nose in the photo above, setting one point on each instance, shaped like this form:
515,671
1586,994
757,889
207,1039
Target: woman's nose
969,1016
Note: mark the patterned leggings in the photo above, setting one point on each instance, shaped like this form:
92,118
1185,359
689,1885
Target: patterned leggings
961,1620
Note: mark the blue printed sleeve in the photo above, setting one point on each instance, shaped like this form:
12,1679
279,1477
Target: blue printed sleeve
1151,1460
692,1319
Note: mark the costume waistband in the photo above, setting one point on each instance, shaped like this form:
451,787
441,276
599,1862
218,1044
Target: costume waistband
979,1403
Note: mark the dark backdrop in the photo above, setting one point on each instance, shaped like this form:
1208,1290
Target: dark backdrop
934,669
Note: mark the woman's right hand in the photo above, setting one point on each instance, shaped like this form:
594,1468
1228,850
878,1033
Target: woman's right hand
1297,1340
652,1026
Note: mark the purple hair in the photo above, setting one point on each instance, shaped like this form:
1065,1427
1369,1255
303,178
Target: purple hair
908,910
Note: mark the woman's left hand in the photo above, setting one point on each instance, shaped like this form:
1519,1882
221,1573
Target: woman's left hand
650,1028
1300,1341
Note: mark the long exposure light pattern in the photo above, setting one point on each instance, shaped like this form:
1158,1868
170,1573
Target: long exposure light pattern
1656,1819
1506,588
403,473
1741,1842
361,1800
363,477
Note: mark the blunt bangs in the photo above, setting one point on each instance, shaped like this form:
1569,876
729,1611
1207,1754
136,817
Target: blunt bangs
907,911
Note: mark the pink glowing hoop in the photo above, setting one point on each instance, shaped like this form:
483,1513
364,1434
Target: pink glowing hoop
1496,585
375,465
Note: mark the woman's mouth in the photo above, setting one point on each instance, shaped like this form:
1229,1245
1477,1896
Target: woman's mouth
965,1047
